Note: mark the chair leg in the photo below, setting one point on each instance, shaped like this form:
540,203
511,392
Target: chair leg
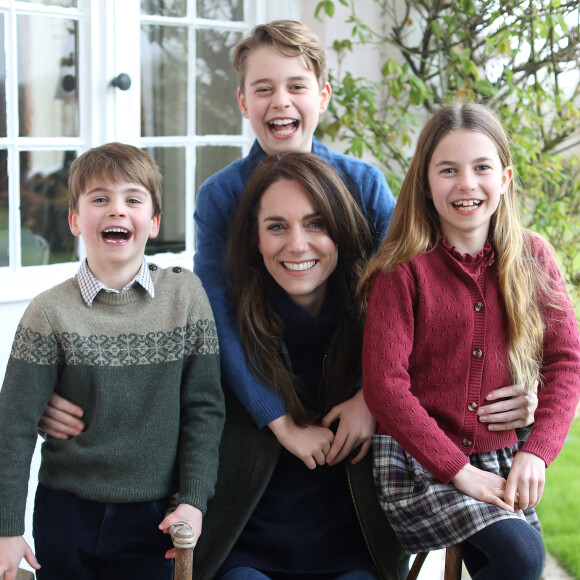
453,562
417,565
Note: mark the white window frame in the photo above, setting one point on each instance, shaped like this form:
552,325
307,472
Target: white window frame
110,114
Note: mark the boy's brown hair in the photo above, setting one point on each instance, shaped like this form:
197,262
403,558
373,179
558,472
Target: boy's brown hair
116,163
288,37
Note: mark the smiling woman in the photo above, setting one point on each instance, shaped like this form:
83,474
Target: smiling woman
297,246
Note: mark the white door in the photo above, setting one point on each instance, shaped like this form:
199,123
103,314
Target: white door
79,73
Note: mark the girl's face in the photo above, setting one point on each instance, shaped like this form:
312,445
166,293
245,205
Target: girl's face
297,250
466,182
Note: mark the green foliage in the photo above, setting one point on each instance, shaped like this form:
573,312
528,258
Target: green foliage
559,510
515,56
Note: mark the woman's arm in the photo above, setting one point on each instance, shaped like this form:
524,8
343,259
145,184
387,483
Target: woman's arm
310,444
355,428
513,408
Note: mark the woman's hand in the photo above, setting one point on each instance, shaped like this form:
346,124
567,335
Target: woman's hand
310,444
525,483
517,410
482,485
355,428
183,513
61,418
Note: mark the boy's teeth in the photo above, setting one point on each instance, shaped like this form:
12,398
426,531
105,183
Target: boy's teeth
299,267
283,126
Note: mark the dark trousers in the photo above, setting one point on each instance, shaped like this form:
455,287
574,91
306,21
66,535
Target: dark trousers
86,540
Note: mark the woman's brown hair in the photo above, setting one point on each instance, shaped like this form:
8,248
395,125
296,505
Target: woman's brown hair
260,328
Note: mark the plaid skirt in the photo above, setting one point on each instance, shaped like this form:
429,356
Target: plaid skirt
427,514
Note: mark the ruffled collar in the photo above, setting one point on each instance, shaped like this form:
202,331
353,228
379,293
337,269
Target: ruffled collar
485,254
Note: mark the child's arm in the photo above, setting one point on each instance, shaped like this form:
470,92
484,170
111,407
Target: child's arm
12,550
525,483
214,206
356,427
183,513
483,486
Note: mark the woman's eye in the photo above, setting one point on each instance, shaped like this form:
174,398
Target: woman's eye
482,168
317,224
448,170
275,227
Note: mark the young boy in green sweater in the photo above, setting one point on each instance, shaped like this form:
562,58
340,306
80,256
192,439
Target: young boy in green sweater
136,347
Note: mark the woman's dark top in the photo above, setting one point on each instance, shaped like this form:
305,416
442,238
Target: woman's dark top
305,522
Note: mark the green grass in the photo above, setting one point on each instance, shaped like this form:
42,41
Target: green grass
559,510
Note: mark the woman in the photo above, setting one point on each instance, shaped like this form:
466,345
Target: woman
297,246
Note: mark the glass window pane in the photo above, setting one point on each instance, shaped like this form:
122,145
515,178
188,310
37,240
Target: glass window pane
47,77
211,159
216,84
2,80
163,80
4,247
164,7
171,238
45,233
59,3
221,9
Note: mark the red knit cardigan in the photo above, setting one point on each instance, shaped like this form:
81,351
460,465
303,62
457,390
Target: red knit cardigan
435,346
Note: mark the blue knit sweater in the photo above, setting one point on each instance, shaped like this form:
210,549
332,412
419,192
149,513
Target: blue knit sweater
216,201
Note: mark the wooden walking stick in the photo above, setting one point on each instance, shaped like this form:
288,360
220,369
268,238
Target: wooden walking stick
184,542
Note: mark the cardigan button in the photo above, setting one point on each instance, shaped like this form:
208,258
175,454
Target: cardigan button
177,269
478,307
477,353
472,406
152,267
467,442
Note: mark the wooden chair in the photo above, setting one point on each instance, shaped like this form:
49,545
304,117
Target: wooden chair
453,563
184,542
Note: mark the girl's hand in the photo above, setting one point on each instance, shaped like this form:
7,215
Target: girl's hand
515,410
12,550
310,444
61,418
183,513
525,483
355,428
482,485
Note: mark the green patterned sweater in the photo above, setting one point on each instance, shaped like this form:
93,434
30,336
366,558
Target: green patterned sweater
146,372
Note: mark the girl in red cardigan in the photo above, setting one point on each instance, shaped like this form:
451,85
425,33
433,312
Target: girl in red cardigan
461,299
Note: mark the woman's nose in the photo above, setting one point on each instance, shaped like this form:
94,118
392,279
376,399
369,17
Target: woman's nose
297,241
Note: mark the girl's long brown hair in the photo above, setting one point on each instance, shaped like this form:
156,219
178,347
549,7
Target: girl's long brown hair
260,328
415,228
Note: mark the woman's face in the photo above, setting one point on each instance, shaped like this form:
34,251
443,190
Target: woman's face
297,250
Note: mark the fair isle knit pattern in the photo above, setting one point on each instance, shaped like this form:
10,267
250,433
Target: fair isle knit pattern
146,372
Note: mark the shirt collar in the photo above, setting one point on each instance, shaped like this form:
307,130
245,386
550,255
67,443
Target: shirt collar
90,286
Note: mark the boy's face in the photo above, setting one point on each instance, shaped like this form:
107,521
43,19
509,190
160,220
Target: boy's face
115,221
282,100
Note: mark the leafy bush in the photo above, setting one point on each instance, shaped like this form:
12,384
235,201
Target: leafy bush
520,57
